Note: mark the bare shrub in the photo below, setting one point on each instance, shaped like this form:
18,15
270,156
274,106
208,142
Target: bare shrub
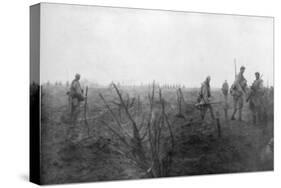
147,142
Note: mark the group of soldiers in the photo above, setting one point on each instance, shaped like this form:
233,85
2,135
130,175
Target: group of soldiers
239,91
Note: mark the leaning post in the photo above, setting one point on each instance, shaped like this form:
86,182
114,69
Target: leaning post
218,124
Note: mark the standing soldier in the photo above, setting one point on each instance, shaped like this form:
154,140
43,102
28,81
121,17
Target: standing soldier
237,91
75,97
225,89
204,99
255,98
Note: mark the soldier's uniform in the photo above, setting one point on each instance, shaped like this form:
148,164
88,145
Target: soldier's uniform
204,100
225,89
256,100
237,91
75,98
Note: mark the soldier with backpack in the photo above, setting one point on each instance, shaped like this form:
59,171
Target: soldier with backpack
75,97
237,91
204,97
255,98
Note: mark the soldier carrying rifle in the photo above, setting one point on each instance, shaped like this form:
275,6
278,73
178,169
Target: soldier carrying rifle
238,90
204,97
75,97
255,98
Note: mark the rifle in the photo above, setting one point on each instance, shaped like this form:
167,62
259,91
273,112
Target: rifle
250,95
200,105
240,88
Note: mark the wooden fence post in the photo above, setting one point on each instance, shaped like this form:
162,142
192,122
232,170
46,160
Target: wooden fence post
218,124
85,112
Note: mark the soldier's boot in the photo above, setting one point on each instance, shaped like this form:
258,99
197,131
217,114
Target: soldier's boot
203,112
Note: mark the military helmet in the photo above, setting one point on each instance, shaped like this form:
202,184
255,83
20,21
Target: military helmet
77,75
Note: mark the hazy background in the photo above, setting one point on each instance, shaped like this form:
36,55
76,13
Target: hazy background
134,46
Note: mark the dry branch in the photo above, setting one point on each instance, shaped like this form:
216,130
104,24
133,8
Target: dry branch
150,127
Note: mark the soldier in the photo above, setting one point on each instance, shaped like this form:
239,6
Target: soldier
237,91
75,97
255,98
204,99
225,89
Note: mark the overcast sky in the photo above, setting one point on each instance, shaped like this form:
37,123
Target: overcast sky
136,46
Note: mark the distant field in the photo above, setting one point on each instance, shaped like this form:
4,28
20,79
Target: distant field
69,154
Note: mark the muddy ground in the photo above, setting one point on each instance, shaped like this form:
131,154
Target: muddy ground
70,155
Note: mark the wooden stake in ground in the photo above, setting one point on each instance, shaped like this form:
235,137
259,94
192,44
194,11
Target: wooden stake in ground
85,111
218,124
180,100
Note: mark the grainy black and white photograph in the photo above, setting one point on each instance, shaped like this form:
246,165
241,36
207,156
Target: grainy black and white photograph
131,93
